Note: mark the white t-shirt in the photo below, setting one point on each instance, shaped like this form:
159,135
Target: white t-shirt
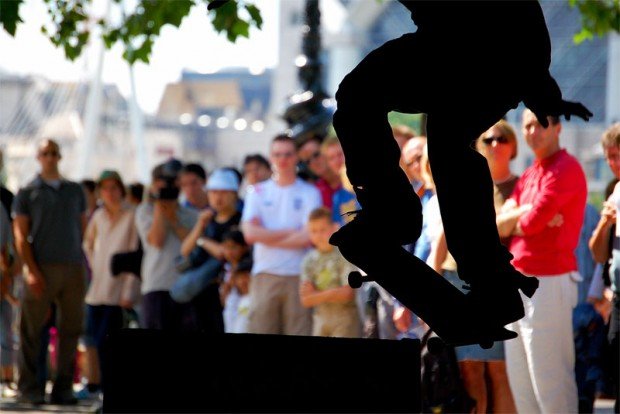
280,208
615,199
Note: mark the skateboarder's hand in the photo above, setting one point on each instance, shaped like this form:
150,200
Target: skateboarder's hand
563,108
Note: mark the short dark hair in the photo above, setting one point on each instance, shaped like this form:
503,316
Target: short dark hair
136,190
320,213
284,138
235,235
196,169
244,266
89,184
258,158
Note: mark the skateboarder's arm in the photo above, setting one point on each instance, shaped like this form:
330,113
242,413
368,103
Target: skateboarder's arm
256,233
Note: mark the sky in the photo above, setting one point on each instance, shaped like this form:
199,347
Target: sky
193,46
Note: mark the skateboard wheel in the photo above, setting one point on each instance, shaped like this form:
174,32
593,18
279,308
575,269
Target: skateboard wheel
435,345
486,344
355,279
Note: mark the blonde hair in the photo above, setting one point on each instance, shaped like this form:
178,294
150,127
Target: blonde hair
611,136
507,131
329,141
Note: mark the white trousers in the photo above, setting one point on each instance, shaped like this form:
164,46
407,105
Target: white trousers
541,361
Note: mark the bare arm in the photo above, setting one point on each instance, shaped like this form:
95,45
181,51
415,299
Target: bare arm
311,297
508,218
296,240
34,277
439,253
89,240
21,230
599,240
255,233
156,235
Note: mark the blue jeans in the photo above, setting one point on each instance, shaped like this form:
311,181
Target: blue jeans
589,331
194,281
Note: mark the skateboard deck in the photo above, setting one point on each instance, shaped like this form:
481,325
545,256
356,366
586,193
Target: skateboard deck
426,293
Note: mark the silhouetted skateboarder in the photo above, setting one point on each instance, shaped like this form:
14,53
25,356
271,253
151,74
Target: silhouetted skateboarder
463,80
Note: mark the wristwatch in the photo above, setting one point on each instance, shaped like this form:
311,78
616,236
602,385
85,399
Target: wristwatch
201,242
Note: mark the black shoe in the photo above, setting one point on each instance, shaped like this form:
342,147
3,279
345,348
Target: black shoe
30,399
63,400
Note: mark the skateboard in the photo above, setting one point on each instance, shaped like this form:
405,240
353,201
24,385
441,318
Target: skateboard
454,317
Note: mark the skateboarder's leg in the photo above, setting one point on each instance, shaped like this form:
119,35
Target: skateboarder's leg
465,191
364,99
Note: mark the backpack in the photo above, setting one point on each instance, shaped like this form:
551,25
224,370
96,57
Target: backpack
442,386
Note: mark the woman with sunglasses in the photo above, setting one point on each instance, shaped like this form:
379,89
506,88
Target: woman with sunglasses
499,146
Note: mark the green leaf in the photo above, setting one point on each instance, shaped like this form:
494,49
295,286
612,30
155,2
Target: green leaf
9,15
255,15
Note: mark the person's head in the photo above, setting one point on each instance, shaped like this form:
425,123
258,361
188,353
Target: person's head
222,190
412,157
48,155
234,246
320,228
402,134
135,193
498,144
543,141
111,188
310,154
90,186
192,179
241,276
611,148
256,168
165,181
283,155
334,155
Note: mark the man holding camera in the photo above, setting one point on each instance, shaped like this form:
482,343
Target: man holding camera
162,225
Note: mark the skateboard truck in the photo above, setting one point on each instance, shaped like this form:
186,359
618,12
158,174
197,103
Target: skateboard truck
356,279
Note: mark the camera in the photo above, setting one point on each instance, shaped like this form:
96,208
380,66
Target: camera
167,172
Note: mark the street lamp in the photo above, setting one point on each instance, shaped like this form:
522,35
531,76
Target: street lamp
310,111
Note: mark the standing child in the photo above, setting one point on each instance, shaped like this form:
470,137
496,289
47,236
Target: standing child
235,250
324,282
240,279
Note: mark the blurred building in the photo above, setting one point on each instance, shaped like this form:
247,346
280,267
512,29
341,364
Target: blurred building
589,72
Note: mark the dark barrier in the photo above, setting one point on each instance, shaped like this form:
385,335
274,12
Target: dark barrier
156,371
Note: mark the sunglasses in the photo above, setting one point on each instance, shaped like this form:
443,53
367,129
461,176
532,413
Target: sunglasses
312,157
414,160
499,140
49,153
283,154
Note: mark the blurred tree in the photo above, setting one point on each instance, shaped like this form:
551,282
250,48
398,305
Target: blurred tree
598,17
138,29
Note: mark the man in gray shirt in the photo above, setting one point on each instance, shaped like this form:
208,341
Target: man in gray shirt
49,221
